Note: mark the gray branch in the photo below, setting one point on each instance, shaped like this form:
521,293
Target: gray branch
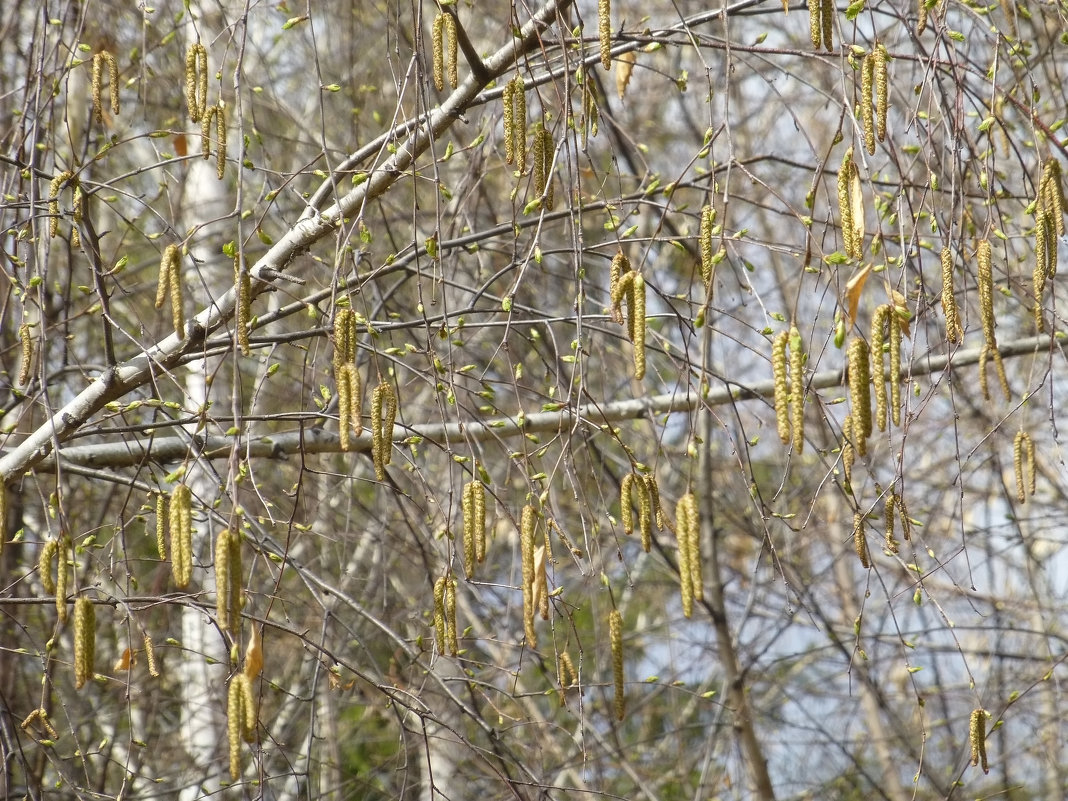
593,416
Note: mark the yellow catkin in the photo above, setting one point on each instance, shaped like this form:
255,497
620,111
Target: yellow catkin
903,513
170,257
439,614
53,201
243,310
620,278
171,271
25,355
615,636
1038,279
150,656
645,512
518,100
604,32
100,60
882,87
797,390
782,389
1018,464
509,122
654,498
228,579
450,618
977,738
986,292
542,144
77,204
437,39
986,314
161,526
196,80
687,532
348,395
84,641
954,332
860,394
879,321
867,101
1029,459
921,21
815,23
235,722
1023,458
636,322
44,566
62,550
528,522
895,367
860,541
248,707
704,240
848,453
181,530
827,18
453,48
565,670
626,502
478,508
1051,195
216,114
888,519
845,206
383,416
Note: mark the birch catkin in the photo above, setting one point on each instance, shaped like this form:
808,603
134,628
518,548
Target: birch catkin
383,417
782,389
860,394
443,39
954,332
882,86
867,100
100,60
604,32
528,522
977,738
860,541
181,529
1023,457
687,530
196,80
25,355
84,641
615,636
879,321
797,390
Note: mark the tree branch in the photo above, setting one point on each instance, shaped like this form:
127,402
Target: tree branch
311,228
314,439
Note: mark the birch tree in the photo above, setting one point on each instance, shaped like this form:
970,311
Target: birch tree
532,400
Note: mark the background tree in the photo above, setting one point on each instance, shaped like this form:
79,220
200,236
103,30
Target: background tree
742,322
